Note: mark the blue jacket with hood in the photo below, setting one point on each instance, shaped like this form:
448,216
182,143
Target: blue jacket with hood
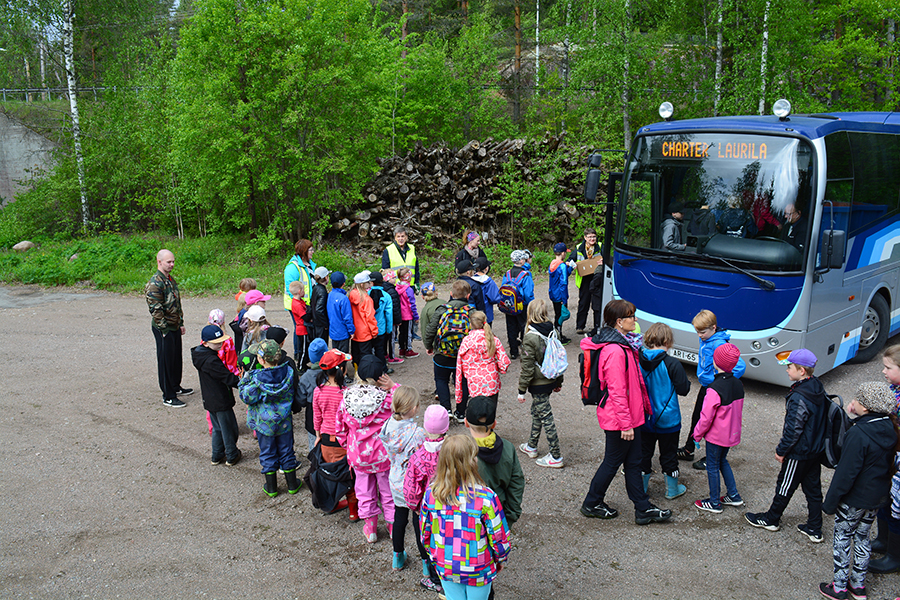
666,380
340,316
559,282
706,370
384,309
268,394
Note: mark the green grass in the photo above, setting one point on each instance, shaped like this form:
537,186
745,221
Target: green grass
212,265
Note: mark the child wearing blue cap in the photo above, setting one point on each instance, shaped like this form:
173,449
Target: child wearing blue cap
802,443
560,271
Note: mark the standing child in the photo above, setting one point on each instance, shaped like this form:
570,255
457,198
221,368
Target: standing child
408,311
216,383
365,327
465,268
444,334
227,352
711,337
559,287
488,287
327,399
384,316
666,380
390,281
365,408
401,436
531,379
463,524
888,541
306,387
720,424
519,277
317,311
480,362
800,448
256,328
269,394
340,315
419,473
860,486
430,295
299,313
245,286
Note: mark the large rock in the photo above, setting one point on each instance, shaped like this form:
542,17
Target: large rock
24,246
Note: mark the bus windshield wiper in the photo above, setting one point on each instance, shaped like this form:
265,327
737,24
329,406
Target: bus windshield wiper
763,283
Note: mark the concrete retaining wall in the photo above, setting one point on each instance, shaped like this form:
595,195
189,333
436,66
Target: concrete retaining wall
21,150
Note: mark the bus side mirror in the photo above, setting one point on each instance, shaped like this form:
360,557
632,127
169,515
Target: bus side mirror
592,181
833,244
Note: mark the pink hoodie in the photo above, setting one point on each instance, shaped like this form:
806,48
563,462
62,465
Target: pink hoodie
408,310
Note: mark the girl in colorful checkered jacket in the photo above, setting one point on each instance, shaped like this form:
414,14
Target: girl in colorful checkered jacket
463,525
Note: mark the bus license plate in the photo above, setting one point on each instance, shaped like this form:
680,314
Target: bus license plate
690,357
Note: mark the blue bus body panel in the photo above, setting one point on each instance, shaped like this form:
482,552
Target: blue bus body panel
804,126
875,245
678,292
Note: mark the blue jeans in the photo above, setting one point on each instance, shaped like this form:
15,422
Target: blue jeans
461,591
716,461
277,452
224,434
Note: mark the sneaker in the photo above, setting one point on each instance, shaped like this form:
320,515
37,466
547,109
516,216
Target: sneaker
684,454
174,403
708,506
184,392
654,514
816,538
394,361
758,520
233,461
410,354
417,337
827,590
732,500
579,331
565,341
549,461
217,461
514,356
428,584
857,593
528,450
389,371
459,417
600,511
700,465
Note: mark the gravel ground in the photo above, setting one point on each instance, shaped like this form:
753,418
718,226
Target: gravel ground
110,494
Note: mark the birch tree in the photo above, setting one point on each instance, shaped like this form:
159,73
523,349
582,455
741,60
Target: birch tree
69,53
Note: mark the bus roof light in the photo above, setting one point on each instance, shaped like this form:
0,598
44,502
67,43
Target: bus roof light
666,110
782,109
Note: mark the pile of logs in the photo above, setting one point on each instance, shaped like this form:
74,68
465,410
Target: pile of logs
442,192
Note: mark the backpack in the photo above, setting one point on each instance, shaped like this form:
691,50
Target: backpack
555,361
592,392
452,328
836,424
703,222
511,301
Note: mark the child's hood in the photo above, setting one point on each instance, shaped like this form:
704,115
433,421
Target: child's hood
651,359
719,337
493,454
274,380
554,264
475,342
396,435
401,286
362,400
878,428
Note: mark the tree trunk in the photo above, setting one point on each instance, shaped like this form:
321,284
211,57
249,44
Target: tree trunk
45,94
626,112
537,47
404,30
718,98
28,97
69,50
762,62
891,61
517,101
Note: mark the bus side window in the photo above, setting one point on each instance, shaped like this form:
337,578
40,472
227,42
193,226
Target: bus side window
876,167
838,187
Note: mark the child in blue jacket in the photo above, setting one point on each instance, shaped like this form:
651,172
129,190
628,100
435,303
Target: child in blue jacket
521,271
384,316
711,337
666,380
559,286
340,316
488,286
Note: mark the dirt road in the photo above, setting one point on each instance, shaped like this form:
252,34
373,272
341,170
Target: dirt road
109,494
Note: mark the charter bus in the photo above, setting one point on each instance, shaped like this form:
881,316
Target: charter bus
789,233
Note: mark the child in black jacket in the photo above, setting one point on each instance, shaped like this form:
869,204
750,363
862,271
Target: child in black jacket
317,310
216,382
860,486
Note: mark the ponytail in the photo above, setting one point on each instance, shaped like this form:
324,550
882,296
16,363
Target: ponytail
489,341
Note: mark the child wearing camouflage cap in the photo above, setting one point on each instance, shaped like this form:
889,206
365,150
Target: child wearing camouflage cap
269,392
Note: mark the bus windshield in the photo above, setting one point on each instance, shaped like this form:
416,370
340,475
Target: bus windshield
701,196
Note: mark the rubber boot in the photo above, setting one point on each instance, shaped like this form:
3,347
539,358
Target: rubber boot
646,477
293,484
399,562
890,562
425,571
673,488
271,487
353,505
879,544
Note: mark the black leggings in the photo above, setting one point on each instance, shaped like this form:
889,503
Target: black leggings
401,519
695,418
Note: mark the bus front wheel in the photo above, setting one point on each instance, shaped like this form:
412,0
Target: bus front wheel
876,325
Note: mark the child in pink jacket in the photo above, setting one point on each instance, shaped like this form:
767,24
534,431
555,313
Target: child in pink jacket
358,423
408,311
480,361
720,424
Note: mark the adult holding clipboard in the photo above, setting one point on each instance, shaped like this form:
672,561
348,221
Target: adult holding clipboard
587,258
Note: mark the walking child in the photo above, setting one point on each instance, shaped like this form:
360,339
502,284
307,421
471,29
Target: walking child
666,380
720,425
480,361
463,524
269,393
519,277
419,473
216,383
560,271
860,486
488,287
444,334
401,436
531,379
800,448
363,411
888,540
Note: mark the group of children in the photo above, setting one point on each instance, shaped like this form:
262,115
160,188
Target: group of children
402,470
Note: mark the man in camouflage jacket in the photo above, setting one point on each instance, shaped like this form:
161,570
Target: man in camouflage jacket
164,302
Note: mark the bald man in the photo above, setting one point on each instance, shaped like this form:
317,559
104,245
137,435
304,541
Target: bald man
164,301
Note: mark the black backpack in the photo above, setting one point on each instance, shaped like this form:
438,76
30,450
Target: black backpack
836,424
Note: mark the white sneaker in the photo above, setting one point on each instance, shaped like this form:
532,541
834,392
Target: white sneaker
549,461
528,450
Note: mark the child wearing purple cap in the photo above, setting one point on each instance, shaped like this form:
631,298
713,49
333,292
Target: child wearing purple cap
799,450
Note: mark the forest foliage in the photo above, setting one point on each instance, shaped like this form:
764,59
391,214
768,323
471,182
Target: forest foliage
260,117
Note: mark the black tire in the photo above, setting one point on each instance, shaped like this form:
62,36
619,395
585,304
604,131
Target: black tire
876,325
